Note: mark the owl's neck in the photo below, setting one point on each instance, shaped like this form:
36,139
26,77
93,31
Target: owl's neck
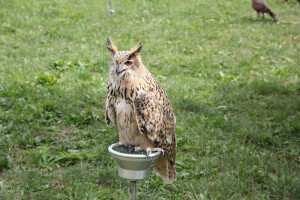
131,85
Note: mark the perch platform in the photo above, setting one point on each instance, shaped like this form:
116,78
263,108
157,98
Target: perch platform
133,166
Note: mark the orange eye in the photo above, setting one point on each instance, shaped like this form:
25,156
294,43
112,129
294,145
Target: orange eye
128,63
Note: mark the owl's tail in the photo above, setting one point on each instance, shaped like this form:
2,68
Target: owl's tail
165,168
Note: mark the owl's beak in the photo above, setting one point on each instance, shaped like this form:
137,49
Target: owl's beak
118,71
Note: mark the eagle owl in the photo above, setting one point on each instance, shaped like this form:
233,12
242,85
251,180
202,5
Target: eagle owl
140,109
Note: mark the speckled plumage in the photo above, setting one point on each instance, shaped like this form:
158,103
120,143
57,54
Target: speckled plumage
140,109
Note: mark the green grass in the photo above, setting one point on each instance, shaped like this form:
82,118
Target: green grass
233,82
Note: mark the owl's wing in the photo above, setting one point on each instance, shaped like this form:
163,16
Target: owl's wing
155,118
110,113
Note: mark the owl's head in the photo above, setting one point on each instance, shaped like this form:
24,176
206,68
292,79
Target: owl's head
124,62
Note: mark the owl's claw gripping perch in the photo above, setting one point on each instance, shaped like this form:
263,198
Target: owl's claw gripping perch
148,152
162,151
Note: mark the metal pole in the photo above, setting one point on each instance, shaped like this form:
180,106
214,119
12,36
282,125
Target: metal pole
111,10
133,187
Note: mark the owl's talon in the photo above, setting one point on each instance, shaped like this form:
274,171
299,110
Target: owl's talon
148,152
137,148
118,144
162,151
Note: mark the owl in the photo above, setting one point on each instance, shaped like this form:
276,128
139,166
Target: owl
140,110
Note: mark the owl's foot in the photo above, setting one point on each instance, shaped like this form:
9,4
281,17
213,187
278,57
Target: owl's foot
159,150
138,148
149,150
118,144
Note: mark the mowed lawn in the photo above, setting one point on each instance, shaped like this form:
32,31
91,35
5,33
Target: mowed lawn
233,82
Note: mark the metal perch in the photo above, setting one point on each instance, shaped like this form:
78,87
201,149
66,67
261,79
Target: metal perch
133,192
134,166
111,10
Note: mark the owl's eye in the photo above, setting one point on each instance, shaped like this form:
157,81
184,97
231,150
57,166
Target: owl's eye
128,63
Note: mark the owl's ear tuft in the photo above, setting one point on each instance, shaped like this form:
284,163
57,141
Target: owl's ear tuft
111,46
136,50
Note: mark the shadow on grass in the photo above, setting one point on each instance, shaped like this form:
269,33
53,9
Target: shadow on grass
248,19
262,113
267,113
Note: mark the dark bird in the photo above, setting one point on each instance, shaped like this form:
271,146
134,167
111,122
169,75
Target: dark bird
261,7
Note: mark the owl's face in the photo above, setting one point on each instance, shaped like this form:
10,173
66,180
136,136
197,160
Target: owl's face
124,63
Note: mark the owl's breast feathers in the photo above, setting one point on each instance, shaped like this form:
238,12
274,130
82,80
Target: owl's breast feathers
152,109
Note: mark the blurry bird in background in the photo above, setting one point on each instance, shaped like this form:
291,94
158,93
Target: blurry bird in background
261,7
